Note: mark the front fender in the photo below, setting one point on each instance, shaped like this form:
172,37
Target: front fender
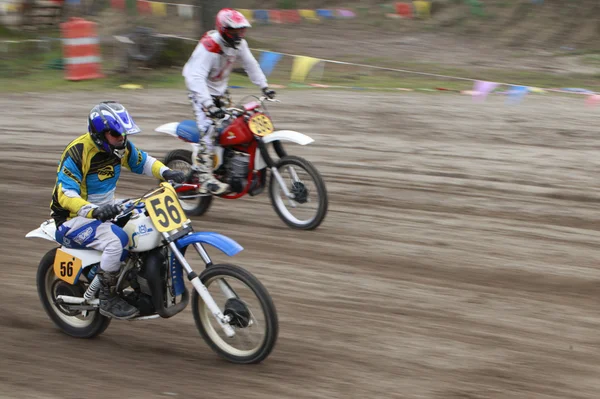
225,244
288,135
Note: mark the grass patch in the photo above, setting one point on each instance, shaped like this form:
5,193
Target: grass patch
591,59
54,80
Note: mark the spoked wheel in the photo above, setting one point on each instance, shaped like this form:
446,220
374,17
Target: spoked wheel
182,160
308,207
253,315
71,322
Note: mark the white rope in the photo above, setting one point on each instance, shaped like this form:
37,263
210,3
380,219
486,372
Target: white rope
389,69
120,38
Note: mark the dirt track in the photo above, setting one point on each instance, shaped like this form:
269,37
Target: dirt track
458,259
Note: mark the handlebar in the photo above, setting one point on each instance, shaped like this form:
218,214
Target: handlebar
128,205
235,111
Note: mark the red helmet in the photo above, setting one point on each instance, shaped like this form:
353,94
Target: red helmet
232,25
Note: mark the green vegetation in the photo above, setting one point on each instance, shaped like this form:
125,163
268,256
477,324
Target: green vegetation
591,59
287,4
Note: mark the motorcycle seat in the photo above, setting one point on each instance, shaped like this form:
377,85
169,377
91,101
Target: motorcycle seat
187,130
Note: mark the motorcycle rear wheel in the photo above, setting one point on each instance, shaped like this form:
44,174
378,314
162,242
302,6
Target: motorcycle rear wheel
245,328
182,160
71,323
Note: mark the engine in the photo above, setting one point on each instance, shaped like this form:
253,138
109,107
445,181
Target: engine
237,168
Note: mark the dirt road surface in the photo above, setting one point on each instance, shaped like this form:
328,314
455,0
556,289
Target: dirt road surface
459,258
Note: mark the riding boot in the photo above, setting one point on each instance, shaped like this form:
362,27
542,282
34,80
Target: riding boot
111,304
208,181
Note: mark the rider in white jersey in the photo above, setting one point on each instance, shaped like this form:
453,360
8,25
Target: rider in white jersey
206,76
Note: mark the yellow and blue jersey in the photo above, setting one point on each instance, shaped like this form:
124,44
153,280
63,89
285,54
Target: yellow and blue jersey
87,177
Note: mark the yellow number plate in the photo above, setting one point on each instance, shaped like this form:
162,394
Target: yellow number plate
260,124
164,209
67,267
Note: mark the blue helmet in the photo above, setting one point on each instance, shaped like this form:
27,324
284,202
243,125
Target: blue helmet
112,117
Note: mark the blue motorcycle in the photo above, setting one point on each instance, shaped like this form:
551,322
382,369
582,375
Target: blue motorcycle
233,311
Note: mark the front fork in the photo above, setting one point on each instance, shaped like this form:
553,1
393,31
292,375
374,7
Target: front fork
280,151
222,319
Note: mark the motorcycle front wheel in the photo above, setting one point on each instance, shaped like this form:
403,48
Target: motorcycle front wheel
73,323
182,160
241,296
308,207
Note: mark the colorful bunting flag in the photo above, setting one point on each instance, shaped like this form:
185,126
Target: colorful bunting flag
422,8
344,13
143,7
327,14
301,67
481,89
310,15
290,16
159,9
246,13
268,60
261,15
516,93
592,100
185,10
131,6
404,9
275,17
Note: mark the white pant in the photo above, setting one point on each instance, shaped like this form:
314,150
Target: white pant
106,237
204,123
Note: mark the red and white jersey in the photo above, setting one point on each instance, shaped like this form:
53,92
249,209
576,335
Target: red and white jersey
207,71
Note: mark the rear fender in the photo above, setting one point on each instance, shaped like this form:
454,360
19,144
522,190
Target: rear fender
47,231
223,243
87,256
186,130
168,128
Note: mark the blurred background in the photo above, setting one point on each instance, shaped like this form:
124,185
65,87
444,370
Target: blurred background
547,43
459,143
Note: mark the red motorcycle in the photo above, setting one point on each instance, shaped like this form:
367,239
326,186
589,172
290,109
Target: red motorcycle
242,160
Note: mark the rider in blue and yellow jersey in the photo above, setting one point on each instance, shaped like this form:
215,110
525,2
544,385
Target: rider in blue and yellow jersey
83,199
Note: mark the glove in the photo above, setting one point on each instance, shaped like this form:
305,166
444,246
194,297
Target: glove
269,93
105,212
215,112
174,175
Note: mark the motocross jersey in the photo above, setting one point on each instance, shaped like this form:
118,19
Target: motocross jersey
207,71
87,177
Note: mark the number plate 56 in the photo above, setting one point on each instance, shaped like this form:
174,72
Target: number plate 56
66,267
164,209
